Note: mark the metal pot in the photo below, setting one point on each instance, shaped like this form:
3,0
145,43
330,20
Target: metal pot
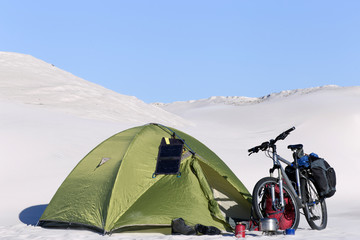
269,225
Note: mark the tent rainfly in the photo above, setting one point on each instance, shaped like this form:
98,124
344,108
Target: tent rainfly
142,179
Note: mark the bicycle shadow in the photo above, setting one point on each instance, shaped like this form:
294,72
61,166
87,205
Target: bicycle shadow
31,215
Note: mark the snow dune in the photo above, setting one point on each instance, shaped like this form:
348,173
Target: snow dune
50,119
25,79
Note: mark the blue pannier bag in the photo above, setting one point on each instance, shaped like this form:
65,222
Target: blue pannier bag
324,176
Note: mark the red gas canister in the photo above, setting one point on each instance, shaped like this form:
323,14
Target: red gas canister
240,231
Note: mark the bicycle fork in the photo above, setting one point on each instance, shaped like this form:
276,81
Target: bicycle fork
280,203
277,204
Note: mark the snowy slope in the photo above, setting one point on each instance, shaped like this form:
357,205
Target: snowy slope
327,121
25,79
50,119
238,101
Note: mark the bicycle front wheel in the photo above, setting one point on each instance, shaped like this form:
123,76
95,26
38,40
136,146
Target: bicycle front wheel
314,207
288,217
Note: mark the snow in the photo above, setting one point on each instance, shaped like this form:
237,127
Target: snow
50,119
25,79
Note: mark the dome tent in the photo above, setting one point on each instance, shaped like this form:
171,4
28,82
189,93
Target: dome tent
114,188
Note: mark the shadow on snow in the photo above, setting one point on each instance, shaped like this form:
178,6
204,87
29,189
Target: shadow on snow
31,215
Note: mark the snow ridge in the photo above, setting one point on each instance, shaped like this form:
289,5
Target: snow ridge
25,79
241,100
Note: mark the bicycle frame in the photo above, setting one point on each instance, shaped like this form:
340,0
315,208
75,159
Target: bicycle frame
282,176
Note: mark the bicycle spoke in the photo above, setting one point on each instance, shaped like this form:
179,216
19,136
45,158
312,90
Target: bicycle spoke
315,208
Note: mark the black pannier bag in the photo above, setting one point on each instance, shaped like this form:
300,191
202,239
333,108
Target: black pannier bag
291,173
303,162
324,176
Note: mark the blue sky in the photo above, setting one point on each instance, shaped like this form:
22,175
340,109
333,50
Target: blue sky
165,51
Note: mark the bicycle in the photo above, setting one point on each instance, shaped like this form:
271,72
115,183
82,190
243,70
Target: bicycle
281,198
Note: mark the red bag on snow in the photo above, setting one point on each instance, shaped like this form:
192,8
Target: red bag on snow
286,217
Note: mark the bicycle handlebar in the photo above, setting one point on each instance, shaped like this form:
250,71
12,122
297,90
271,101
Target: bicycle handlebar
283,135
265,145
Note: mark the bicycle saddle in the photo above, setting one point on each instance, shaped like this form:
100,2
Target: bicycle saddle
295,147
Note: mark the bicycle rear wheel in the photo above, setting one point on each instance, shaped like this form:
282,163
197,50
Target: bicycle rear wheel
288,217
314,207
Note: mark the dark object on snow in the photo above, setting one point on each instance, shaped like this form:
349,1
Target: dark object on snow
178,226
206,230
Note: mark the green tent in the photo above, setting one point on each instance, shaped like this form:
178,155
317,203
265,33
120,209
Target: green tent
114,187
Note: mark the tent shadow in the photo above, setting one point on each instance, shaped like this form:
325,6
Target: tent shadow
31,215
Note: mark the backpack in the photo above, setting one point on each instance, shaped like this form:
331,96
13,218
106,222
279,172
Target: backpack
324,176
286,217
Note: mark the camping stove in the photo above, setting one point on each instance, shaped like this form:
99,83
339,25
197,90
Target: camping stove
269,226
